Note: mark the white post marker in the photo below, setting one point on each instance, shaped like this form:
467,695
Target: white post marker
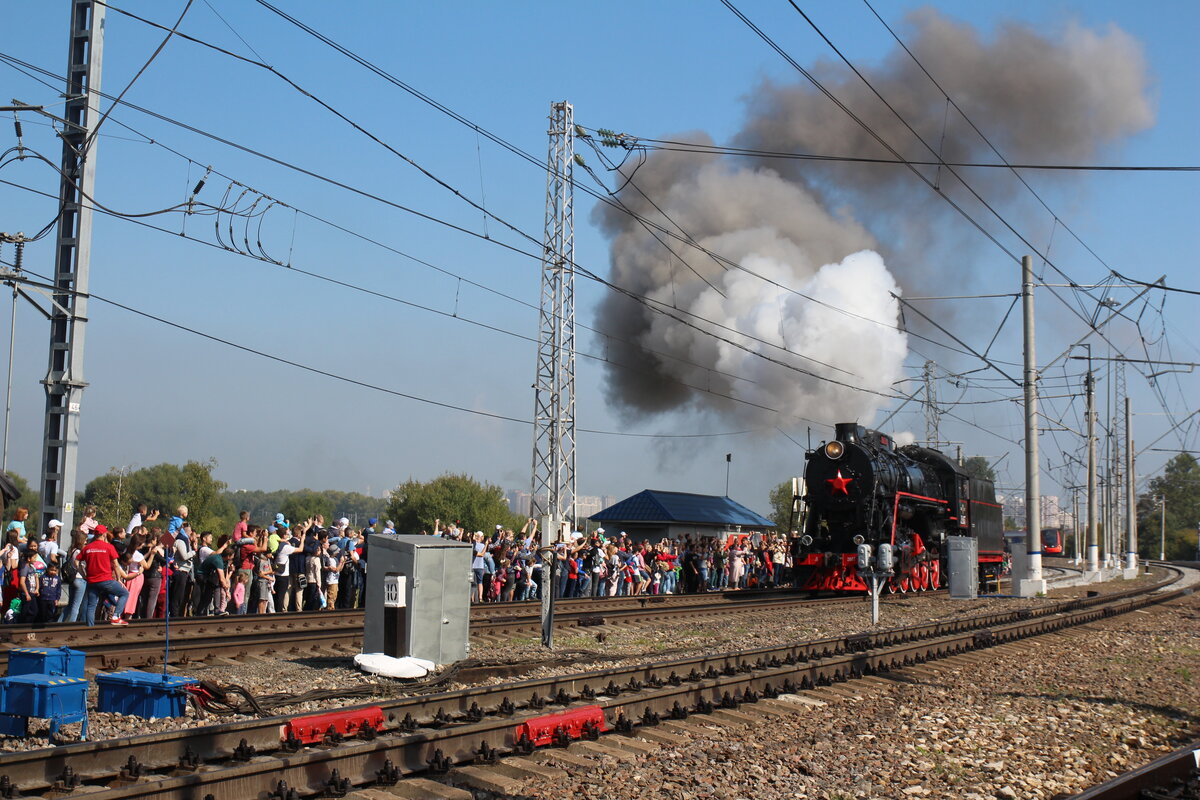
394,587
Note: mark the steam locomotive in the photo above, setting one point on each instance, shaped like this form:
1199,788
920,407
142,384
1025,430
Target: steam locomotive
860,488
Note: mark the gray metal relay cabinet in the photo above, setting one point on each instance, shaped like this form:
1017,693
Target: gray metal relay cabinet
964,567
418,597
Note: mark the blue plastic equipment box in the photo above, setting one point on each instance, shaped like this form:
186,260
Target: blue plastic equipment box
45,696
12,725
46,661
150,695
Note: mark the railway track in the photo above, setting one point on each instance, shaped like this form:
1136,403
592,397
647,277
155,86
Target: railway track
194,639
251,759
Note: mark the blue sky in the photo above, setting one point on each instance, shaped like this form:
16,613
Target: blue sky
651,69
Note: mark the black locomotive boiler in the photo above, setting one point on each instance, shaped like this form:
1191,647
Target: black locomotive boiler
861,488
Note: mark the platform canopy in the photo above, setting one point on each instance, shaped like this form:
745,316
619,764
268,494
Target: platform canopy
655,507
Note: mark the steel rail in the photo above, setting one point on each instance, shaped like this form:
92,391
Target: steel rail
141,644
458,723
1179,767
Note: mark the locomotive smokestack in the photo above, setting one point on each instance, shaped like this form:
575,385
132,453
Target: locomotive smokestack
847,432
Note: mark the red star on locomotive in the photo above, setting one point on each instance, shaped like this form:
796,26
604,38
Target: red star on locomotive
839,484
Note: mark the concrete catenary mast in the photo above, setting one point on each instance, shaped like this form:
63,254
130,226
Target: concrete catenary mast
68,314
1032,584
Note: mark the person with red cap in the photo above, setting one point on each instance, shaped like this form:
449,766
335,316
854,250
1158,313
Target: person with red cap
104,575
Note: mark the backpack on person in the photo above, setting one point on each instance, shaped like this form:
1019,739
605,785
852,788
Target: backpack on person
70,567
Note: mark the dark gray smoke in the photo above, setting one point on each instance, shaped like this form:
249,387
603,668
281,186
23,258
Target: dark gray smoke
818,227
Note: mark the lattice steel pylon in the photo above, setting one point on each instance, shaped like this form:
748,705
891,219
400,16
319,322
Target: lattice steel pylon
932,413
553,493
68,314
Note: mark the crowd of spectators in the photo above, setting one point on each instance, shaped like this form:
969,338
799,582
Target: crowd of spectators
144,570
148,567
507,564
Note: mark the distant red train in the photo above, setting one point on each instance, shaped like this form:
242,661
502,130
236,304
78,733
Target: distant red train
1052,541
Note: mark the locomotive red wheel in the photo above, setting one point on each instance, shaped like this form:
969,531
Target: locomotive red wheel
920,578
905,584
935,576
891,585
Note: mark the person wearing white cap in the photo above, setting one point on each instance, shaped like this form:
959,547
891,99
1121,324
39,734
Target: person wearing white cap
48,547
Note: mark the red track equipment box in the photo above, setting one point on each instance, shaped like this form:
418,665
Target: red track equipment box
540,730
314,728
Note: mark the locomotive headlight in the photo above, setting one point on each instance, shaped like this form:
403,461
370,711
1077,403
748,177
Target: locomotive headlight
806,540
859,539
834,450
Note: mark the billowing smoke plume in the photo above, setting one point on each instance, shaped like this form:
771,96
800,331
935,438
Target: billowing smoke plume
810,318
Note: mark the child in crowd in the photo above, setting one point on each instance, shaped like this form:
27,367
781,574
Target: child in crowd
239,590
49,593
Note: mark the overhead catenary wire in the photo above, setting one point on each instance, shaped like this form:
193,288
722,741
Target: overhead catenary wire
361,383
649,302
429,309
652,304
650,143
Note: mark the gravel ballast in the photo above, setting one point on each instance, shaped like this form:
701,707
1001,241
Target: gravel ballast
1071,712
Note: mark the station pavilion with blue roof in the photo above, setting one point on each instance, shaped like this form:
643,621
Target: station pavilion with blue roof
653,514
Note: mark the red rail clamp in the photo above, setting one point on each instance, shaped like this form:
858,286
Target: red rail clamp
540,730
314,728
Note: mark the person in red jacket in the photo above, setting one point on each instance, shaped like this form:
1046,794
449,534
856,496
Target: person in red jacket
104,575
